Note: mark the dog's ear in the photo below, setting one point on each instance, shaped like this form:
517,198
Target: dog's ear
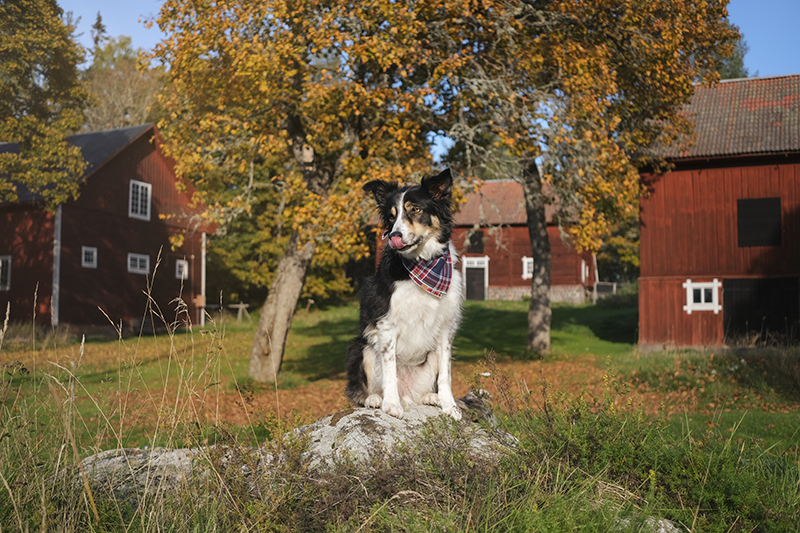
380,190
439,187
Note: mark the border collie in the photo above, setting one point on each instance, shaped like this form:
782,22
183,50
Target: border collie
411,307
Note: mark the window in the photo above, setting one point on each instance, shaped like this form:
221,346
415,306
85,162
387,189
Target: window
527,267
475,243
702,296
89,257
138,264
139,200
759,221
181,269
5,272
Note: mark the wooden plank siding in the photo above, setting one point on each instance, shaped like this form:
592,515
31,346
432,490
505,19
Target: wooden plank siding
508,244
689,231
99,218
30,246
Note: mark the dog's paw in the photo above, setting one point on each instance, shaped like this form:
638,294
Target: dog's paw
393,408
430,399
373,401
453,411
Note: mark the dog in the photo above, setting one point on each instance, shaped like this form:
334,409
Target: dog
411,307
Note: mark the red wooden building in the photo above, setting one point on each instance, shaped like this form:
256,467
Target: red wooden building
720,234
491,235
92,260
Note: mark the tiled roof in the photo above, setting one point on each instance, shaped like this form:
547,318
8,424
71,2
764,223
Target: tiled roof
747,116
496,202
97,147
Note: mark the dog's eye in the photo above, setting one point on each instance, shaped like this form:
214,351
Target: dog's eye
414,210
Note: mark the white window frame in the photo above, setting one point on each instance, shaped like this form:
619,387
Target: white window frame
182,269
475,262
142,264
135,208
84,262
703,305
527,267
5,265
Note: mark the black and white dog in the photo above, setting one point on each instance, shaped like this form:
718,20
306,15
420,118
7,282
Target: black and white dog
411,307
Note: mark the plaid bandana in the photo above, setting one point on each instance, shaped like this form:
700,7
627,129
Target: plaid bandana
433,275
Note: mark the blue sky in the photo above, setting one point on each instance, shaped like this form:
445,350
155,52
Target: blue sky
769,27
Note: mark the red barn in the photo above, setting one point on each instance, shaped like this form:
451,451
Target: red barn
491,235
720,234
91,261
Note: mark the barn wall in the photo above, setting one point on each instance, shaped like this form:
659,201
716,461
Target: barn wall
689,231
689,222
506,246
30,246
99,218
664,324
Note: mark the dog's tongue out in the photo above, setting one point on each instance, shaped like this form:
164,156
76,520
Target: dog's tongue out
396,242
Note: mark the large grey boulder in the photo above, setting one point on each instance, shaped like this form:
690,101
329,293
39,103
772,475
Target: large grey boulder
364,434
350,435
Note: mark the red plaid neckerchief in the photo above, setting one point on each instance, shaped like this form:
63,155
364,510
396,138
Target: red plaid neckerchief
433,275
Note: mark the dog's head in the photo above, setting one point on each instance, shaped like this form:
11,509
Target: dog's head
417,218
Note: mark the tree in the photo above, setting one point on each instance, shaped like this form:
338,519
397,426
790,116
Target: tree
585,88
41,101
123,89
308,99
732,67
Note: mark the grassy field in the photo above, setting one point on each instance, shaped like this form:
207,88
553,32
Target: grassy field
603,417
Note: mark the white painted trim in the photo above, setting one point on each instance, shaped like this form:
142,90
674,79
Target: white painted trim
475,262
713,305
56,293
143,188
182,273
84,263
203,279
527,274
138,269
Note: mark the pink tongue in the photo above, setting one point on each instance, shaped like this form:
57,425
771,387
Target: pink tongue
396,242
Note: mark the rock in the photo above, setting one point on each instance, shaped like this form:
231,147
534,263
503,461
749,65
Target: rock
128,474
363,434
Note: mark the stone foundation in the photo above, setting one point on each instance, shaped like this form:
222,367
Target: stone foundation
574,294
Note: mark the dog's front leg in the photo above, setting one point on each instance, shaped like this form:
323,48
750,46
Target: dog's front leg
445,381
388,355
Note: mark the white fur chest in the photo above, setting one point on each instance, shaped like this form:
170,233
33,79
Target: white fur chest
419,320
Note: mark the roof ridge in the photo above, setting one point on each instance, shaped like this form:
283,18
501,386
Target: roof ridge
760,78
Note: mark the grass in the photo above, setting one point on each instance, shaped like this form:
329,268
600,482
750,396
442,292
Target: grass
590,459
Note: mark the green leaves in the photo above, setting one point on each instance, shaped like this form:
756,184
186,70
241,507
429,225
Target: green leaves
41,101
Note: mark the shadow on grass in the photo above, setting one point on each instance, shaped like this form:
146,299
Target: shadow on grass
318,341
618,325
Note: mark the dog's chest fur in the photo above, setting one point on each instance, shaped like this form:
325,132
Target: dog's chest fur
418,320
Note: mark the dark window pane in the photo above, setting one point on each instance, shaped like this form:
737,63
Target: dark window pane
698,299
709,298
759,221
475,243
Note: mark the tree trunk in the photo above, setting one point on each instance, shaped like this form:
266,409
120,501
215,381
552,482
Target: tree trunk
276,315
539,314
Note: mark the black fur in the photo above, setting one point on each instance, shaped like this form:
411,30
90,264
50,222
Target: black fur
433,198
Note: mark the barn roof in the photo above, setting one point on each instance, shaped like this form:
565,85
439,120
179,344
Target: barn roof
496,202
97,148
749,116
